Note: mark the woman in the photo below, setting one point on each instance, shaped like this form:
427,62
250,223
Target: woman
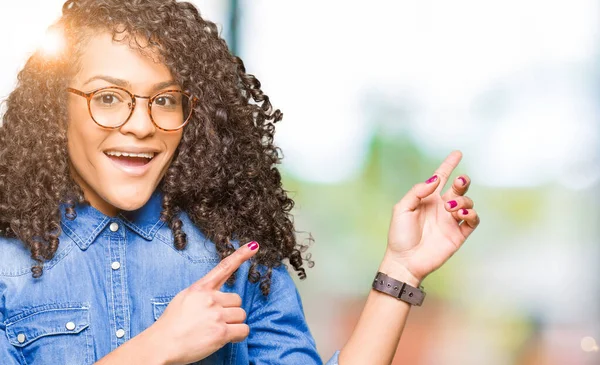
134,166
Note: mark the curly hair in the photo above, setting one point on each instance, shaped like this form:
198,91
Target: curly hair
223,174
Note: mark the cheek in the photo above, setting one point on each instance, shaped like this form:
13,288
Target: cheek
75,144
172,142
83,136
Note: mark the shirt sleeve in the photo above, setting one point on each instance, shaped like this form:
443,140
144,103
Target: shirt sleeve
278,330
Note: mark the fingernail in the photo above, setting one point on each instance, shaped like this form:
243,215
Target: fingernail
431,179
453,204
253,245
464,181
465,212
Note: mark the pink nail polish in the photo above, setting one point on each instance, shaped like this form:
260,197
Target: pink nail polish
253,245
431,179
453,204
464,181
465,212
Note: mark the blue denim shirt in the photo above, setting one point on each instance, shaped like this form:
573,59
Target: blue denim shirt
111,278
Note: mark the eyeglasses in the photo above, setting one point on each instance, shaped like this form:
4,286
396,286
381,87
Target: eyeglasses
111,107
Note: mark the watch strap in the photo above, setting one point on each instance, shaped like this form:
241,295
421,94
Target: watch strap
399,289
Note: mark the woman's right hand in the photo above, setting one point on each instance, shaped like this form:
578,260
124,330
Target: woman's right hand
200,319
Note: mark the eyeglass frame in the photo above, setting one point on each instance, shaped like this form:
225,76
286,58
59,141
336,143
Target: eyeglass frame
90,95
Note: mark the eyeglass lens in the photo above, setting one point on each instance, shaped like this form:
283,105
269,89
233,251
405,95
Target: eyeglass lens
112,107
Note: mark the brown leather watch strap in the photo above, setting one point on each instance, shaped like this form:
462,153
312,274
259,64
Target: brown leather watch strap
398,289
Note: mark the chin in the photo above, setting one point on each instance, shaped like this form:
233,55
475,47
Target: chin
130,199
130,205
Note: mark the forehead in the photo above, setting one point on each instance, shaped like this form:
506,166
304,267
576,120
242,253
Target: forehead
104,56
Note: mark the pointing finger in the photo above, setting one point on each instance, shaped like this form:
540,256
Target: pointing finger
446,168
219,275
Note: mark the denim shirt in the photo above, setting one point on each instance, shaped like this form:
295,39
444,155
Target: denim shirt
111,278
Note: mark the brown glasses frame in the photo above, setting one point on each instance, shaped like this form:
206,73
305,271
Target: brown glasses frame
90,95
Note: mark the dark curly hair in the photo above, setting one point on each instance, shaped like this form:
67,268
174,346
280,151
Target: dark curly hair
223,174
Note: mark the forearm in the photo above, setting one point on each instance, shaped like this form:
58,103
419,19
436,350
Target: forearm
377,333
143,349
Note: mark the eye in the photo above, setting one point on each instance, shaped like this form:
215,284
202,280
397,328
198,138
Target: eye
107,99
165,100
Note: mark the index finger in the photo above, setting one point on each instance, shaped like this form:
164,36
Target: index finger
446,168
219,275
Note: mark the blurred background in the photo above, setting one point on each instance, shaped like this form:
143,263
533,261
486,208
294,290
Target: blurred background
375,94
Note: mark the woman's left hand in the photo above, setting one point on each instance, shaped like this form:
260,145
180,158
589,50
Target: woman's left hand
428,227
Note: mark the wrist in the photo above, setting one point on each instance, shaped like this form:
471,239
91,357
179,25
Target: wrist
398,270
154,345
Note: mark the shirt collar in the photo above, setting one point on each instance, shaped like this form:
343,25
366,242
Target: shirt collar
90,222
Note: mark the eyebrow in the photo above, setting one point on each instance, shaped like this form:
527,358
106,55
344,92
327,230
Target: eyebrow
127,84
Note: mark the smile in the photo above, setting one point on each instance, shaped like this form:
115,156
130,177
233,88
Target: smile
131,163
148,155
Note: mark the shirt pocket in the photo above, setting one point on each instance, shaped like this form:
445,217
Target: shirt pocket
224,356
52,334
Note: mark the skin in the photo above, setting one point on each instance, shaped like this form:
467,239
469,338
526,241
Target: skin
426,228
425,231
105,186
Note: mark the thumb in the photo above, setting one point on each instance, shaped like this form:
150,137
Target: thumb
215,278
420,191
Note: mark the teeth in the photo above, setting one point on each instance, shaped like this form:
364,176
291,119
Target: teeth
148,155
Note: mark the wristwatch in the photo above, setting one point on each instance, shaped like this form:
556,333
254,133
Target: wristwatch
398,289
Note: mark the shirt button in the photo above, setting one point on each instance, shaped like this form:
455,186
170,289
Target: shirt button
120,332
114,226
21,338
70,326
115,265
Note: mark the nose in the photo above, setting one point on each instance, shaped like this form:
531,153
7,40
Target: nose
139,124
